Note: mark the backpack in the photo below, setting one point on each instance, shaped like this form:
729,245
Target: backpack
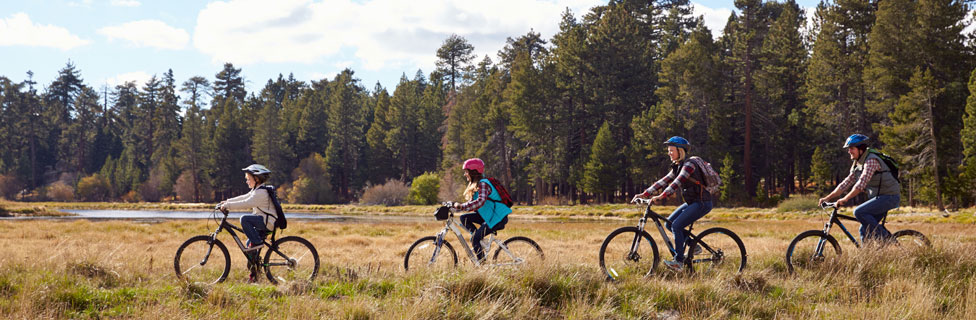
888,161
712,179
502,193
280,222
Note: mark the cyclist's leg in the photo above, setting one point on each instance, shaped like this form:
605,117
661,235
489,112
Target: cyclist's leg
252,225
476,238
691,213
470,219
869,214
674,215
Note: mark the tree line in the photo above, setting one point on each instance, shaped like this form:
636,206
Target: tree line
577,118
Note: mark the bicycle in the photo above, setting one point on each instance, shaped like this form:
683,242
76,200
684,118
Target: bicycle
625,254
811,254
424,253
286,260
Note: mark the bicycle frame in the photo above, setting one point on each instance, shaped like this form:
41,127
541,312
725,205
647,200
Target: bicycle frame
648,213
227,226
835,219
453,225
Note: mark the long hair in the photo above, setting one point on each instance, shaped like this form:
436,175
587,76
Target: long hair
475,176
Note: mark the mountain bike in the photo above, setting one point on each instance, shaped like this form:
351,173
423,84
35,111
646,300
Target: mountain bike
631,252
436,253
288,259
809,248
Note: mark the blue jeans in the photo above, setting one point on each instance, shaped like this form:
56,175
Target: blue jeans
479,232
870,213
254,228
685,215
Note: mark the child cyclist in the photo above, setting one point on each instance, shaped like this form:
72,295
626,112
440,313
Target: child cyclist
263,214
683,176
490,214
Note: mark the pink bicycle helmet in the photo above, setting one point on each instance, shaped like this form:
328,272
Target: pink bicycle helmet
474,164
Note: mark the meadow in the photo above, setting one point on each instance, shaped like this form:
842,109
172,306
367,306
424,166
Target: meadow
124,269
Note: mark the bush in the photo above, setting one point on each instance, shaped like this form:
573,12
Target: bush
9,186
799,204
311,185
391,193
424,189
187,192
59,191
93,188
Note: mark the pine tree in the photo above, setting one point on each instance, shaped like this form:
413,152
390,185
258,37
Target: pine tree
454,60
345,123
821,171
602,171
968,137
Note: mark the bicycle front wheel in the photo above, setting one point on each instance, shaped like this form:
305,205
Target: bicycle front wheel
628,252
519,251
202,260
291,259
424,254
717,250
810,249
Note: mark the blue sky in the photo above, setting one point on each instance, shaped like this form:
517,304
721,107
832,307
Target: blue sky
112,41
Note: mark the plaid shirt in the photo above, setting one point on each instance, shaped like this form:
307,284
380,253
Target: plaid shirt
686,170
870,166
483,191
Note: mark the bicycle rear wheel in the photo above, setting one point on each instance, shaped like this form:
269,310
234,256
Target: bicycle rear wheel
521,251
291,259
425,255
198,262
911,239
628,252
810,249
719,251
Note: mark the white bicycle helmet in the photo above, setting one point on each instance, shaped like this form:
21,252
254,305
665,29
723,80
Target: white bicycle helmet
257,169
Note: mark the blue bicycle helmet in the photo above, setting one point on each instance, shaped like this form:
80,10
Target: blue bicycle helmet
678,142
855,140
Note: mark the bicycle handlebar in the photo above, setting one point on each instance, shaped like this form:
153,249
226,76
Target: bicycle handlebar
641,201
828,205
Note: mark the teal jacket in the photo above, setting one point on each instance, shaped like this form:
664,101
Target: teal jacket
493,211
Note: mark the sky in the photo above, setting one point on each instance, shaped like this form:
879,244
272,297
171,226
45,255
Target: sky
114,41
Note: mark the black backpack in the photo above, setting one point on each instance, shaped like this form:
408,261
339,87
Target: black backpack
281,222
888,161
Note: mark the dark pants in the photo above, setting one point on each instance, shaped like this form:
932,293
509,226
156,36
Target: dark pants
870,213
680,219
479,232
254,228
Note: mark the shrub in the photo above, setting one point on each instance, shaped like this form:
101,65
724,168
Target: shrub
451,186
424,189
131,196
186,191
9,186
93,188
311,185
59,191
799,203
391,193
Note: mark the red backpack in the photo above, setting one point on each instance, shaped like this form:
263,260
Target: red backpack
502,193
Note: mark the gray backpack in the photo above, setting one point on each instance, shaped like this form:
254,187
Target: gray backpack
712,180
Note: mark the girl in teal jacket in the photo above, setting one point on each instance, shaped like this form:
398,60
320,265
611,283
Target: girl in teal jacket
490,214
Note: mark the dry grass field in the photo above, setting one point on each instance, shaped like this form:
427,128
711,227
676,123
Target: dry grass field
124,269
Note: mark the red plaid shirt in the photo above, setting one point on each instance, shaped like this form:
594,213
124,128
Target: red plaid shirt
870,166
685,173
483,191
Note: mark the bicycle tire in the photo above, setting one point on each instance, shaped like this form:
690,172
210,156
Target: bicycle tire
522,248
631,262
793,257
187,262
721,249
911,237
286,261
420,249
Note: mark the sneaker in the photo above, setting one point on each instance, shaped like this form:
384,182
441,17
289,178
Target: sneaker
696,250
253,278
674,265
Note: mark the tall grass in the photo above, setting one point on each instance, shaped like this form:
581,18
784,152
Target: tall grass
82,269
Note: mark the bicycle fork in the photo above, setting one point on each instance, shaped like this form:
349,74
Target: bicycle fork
818,254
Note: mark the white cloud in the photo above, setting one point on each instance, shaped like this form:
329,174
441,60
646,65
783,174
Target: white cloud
148,33
19,30
715,18
380,33
139,77
125,3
